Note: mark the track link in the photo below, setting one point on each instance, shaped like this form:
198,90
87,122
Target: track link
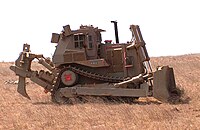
95,75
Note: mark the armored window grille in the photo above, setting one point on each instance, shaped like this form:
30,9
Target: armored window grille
90,42
79,41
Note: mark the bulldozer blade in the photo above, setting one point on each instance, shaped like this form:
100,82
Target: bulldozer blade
164,83
22,87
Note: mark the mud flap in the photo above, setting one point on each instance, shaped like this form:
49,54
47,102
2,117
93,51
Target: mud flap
163,83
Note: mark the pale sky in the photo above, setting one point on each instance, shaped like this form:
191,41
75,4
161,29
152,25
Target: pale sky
170,27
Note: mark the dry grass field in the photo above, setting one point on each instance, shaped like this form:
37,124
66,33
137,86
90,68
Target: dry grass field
40,113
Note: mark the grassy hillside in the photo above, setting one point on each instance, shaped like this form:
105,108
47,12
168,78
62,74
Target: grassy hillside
17,112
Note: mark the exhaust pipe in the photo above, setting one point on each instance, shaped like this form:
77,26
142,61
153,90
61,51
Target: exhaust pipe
116,31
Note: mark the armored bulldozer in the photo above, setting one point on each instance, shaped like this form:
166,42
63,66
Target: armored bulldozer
84,65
